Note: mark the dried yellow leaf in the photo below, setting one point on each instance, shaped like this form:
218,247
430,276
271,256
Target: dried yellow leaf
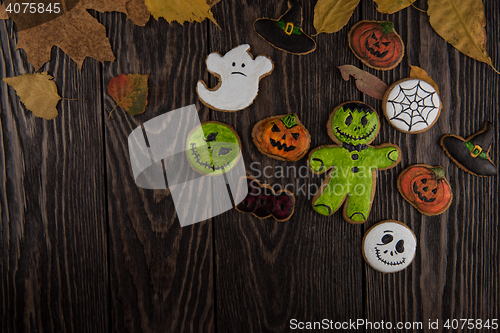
37,92
332,15
461,23
419,73
392,6
180,10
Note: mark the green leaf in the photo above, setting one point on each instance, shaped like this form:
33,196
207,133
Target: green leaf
130,92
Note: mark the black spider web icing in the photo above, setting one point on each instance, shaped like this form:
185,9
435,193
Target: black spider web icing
426,101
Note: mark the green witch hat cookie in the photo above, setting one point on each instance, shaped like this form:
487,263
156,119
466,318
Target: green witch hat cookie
285,33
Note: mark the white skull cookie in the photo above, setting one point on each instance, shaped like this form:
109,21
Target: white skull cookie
239,76
389,246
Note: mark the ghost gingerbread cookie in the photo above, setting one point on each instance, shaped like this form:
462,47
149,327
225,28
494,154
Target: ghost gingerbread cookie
239,76
353,162
389,246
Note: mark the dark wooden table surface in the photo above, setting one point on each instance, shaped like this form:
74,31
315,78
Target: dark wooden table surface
83,249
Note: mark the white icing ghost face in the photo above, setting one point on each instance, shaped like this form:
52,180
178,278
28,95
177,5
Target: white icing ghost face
412,105
389,246
239,76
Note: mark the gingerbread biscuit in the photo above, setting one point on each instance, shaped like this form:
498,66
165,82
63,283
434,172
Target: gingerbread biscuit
213,148
389,246
471,154
426,188
263,202
239,76
285,33
376,44
353,163
282,137
411,105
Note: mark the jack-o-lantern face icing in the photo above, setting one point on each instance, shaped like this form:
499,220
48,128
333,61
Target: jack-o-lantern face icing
355,123
389,246
282,137
426,188
353,164
213,148
376,44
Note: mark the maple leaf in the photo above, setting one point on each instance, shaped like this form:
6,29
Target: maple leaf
181,10
73,29
37,92
130,92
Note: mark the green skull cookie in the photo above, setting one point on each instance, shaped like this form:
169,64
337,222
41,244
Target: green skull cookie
353,163
213,148
357,126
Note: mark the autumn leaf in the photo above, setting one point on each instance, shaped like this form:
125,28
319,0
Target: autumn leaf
37,92
130,92
73,29
365,82
461,23
332,15
181,10
392,6
419,73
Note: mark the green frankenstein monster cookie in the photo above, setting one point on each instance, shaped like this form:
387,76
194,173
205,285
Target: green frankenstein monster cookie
354,163
213,148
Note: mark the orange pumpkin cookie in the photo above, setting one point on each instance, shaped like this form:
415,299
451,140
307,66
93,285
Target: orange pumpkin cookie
376,44
282,137
425,188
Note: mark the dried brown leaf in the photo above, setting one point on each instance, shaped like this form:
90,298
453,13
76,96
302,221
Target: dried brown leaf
37,92
392,6
73,30
365,82
419,73
180,10
332,15
461,23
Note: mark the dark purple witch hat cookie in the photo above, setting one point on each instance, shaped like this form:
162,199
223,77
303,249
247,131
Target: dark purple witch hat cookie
285,33
471,154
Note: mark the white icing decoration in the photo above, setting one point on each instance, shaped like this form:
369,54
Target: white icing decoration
382,245
412,106
239,79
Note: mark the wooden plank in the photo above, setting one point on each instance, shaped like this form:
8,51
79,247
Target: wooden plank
161,274
53,267
308,268
454,271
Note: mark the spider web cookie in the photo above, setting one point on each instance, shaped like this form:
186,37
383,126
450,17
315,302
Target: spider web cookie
411,105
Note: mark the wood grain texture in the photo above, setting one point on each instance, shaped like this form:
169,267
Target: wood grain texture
457,255
307,268
160,274
53,228
83,248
